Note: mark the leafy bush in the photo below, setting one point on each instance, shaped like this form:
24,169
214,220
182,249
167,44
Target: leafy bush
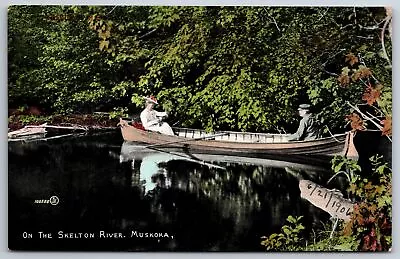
289,239
370,226
371,222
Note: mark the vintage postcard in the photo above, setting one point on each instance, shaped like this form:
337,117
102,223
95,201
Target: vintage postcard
199,128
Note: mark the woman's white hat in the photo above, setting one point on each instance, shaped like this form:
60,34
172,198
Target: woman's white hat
151,99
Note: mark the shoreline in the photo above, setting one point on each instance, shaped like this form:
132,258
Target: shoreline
90,121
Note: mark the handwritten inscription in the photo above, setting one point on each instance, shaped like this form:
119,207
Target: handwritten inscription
327,200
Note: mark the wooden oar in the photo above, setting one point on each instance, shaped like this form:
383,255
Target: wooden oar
186,140
202,162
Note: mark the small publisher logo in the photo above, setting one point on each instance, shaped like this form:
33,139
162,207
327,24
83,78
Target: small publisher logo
54,200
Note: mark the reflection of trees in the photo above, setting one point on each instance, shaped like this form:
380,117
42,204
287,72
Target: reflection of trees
231,190
240,193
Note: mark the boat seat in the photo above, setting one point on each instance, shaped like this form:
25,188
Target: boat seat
138,125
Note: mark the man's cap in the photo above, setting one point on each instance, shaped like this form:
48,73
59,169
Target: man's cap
151,99
304,106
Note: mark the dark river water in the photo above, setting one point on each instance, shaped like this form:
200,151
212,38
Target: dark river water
97,193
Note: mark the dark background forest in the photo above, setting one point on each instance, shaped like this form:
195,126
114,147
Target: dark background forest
232,68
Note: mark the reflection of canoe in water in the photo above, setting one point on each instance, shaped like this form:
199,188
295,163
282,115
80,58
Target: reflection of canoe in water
238,143
130,151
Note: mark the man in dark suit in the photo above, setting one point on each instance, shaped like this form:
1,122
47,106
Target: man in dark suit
309,127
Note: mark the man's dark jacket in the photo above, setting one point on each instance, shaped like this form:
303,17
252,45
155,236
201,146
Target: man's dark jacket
309,129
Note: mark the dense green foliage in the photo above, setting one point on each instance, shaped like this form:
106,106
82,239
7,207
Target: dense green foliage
239,68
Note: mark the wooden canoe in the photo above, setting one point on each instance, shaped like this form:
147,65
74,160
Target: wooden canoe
239,143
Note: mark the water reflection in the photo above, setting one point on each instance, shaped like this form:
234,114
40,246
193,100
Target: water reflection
150,174
206,202
238,189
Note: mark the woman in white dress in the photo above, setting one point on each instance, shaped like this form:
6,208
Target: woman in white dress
152,119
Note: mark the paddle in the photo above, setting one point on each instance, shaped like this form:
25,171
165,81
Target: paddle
186,140
190,159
